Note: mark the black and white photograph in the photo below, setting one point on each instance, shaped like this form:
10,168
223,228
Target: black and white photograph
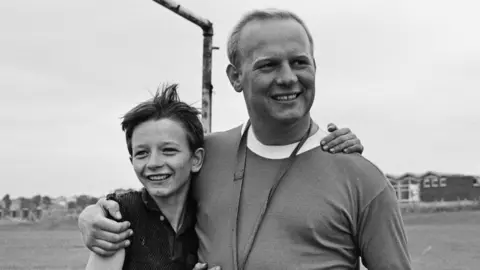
240,135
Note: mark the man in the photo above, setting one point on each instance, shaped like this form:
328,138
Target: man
268,196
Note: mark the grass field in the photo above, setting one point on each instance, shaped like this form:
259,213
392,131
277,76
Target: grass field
438,241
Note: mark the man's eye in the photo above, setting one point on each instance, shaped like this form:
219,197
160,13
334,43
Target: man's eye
267,66
300,63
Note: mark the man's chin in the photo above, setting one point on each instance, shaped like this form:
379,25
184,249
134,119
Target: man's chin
289,118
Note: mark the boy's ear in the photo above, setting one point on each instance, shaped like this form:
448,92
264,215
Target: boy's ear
198,157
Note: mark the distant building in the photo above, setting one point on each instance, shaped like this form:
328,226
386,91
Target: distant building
60,201
477,181
16,208
407,187
57,206
449,187
434,186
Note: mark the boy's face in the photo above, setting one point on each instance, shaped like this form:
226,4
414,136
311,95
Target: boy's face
161,157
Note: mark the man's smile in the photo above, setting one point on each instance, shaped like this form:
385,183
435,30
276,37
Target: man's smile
287,96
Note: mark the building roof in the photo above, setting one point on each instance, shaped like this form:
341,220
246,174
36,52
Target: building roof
420,176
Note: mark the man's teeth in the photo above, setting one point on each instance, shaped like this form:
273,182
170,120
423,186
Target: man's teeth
158,177
286,97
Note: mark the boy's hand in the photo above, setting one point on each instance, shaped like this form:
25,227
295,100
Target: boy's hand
341,140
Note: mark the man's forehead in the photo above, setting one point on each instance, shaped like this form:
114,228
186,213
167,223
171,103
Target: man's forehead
273,37
271,51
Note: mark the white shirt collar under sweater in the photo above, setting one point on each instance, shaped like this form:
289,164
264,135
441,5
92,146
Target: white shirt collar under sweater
281,151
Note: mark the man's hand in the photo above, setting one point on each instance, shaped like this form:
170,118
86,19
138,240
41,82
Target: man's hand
341,140
101,234
203,266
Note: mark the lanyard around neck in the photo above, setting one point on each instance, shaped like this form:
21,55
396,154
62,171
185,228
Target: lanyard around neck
238,178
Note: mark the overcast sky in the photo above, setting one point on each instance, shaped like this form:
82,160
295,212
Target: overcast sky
403,75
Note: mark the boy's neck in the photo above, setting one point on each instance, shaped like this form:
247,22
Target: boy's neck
174,207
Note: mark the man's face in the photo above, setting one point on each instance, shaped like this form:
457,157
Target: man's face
277,71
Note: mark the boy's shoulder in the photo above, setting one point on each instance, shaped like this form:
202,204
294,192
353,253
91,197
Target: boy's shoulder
129,201
125,196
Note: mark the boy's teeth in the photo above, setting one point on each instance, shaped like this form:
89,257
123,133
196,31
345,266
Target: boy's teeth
158,177
286,97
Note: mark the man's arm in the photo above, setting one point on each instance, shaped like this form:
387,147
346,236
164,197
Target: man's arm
341,140
102,235
204,266
381,234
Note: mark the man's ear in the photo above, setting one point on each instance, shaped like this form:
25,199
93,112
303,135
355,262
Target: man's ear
234,77
198,157
131,159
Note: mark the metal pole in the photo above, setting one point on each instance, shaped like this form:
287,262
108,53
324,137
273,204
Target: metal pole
207,81
207,87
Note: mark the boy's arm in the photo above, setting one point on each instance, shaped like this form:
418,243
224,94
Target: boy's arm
381,234
97,262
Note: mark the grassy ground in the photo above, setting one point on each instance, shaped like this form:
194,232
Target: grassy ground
445,241
438,241
41,250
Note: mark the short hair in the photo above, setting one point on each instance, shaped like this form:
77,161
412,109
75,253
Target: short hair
260,15
165,104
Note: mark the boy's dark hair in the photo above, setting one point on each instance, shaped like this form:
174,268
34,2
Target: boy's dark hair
165,104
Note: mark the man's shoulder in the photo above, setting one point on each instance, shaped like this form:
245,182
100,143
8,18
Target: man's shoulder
358,172
223,137
224,134
352,163
358,164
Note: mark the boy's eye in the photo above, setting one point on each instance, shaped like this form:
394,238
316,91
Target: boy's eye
140,154
170,151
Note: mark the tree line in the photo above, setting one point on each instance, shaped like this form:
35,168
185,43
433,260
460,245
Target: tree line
46,202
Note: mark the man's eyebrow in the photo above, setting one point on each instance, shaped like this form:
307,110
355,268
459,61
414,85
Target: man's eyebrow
273,57
264,58
301,56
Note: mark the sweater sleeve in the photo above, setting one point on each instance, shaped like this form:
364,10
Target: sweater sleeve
381,235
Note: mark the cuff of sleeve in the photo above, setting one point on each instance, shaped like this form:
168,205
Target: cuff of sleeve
111,196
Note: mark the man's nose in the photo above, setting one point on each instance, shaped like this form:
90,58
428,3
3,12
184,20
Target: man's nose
286,75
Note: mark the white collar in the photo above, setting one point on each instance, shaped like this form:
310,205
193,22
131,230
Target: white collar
281,151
